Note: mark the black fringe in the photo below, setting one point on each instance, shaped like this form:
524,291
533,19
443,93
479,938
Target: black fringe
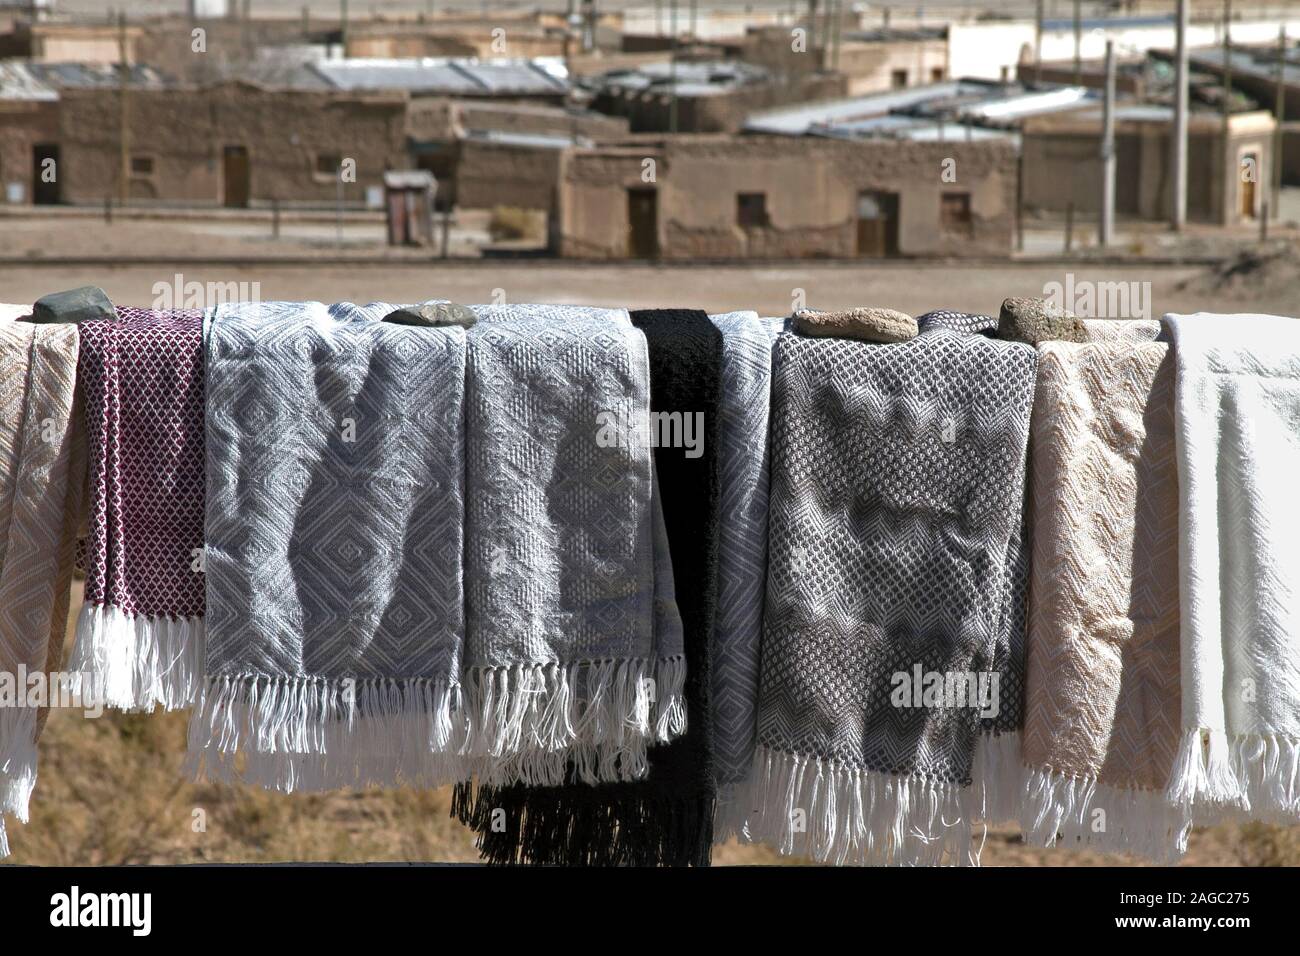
608,825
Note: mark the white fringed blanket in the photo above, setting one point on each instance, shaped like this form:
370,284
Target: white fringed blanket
1237,417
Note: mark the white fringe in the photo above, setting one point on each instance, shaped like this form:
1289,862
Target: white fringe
1063,811
999,778
139,662
17,766
527,724
1269,768
519,724
17,759
311,734
1239,778
852,816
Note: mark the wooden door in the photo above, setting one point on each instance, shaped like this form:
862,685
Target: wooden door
642,224
877,224
236,176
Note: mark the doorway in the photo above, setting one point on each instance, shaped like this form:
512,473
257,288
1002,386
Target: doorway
642,224
235,177
45,174
877,224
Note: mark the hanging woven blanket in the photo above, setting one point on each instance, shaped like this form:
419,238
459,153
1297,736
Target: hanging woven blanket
1102,690
897,485
365,625
42,468
1237,421
747,344
667,818
140,631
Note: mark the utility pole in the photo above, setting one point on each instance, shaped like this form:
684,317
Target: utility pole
123,112
1179,151
1106,234
672,69
1228,171
834,11
1038,41
812,32
1078,44
1280,113
343,28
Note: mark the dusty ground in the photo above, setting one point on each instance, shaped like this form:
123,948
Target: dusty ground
769,289
111,790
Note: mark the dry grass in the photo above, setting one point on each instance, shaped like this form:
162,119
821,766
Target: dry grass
511,223
112,791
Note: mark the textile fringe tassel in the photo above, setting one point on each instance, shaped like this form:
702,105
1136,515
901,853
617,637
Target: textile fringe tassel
534,724
835,814
1247,776
311,734
139,662
998,778
17,760
588,826
519,723
1079,813
17,765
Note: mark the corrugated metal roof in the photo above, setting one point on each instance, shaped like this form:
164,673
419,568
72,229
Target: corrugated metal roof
17,82
688,79
444,75
23,80
795,120
71,76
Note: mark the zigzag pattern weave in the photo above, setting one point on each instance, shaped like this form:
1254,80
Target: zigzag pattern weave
747,344
141,377
1237,416
1102,697
897,482
41,467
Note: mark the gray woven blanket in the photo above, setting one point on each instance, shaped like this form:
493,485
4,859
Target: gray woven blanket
747,344
353,637
897,481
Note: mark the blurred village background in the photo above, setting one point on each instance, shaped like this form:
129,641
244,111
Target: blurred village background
647,153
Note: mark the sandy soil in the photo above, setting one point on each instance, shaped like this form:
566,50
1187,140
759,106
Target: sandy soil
769,289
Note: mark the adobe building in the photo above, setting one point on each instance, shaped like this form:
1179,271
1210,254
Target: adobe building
785,197
1227,181
487,154
29,135
232,144
871,61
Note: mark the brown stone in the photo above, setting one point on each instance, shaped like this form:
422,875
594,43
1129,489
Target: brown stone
1034,320
865,324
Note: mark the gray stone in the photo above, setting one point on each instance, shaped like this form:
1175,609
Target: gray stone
434,314
865,324
1033,320
75,305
